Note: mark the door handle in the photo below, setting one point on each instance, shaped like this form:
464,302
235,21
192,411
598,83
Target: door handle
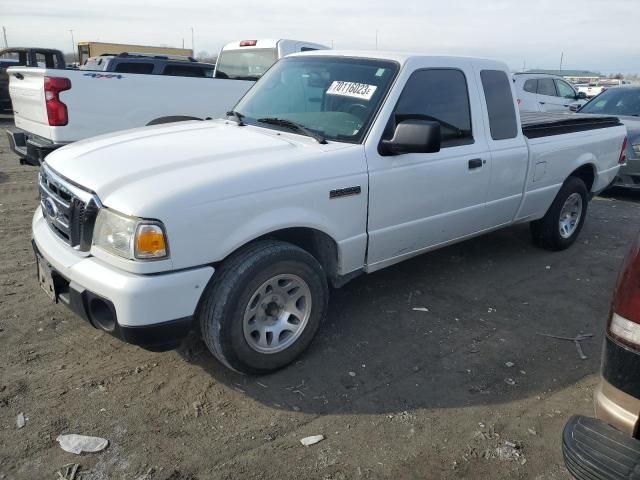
476,163
19,76
542,103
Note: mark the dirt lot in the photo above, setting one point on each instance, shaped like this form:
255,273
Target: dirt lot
397,393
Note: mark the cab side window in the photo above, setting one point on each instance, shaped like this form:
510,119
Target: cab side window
565,90
546,87
439,95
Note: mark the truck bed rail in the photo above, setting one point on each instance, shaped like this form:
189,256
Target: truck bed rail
536,125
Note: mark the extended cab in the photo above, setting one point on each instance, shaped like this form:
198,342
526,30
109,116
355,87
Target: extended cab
333,165
54,107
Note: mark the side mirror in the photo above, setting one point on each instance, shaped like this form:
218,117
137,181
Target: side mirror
414,136
581,96
574,108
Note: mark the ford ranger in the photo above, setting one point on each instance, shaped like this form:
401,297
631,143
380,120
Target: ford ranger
334,164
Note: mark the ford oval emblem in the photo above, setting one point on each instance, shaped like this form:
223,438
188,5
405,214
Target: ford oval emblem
50,208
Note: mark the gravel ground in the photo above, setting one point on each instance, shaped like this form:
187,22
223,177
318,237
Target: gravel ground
466,389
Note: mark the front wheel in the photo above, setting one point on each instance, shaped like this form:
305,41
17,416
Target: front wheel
263,307
562,223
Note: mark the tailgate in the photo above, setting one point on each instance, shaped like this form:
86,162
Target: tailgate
26,88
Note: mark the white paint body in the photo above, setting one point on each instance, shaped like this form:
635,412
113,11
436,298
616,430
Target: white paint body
217,186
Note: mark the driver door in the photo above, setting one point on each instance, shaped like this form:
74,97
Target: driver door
420,200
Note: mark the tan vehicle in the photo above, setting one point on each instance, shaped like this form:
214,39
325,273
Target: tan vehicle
95,49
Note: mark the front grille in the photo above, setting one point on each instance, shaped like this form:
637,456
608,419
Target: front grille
69,210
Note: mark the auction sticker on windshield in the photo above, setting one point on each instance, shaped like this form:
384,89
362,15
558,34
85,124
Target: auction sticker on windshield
352,89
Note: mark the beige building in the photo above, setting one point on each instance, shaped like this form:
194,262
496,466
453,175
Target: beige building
94,49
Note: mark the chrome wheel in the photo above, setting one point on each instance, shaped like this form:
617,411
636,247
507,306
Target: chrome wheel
277,313
570,215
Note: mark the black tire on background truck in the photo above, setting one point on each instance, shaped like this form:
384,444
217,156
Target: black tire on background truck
562,223
263,306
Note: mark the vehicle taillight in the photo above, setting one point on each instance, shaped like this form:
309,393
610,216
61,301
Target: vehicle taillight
248,43
624,320
623,152
56,110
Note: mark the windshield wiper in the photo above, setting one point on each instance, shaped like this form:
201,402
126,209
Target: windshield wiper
294,126
238,116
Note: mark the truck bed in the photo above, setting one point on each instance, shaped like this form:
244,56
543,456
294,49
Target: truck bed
546,124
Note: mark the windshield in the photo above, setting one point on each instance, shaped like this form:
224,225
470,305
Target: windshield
617,101
245,64
334,97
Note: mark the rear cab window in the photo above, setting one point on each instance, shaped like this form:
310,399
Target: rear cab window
500,105
245,63
439,95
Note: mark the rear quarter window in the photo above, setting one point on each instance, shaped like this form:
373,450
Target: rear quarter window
500,104
188,71
134,67
531,86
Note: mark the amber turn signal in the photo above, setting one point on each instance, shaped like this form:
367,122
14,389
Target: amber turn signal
150,242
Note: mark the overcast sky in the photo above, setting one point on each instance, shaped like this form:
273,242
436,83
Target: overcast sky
593,34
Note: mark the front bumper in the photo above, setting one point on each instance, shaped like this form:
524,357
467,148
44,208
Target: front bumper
154,311
592,449
31,149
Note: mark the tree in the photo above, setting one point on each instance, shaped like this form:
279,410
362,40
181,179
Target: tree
206,57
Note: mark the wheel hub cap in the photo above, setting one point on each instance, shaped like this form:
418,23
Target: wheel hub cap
277,313
570,215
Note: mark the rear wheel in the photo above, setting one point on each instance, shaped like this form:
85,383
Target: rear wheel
562,223
263,307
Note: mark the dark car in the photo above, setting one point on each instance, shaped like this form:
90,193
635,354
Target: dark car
28,57
624,103
608,447
149,64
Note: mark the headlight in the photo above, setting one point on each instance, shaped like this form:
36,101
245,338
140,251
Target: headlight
636,150
129,237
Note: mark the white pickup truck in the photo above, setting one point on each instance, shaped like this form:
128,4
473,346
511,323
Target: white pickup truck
334,164
54,107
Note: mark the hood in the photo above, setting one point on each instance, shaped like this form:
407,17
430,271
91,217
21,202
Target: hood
138,170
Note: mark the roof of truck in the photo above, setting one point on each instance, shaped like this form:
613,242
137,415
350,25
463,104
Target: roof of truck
400,57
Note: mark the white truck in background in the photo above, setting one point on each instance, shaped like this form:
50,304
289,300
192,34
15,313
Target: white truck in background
334,164
55,107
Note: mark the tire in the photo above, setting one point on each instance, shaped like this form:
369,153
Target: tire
232,296
548,232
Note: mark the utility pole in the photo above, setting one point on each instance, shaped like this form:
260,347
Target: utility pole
561,59
4,34
376,39
183,43
524,65
193,48
73,46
